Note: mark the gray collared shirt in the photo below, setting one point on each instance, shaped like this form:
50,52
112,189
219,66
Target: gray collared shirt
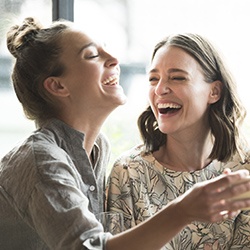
50,192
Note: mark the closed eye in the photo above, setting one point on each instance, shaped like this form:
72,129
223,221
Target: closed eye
91,52
93,56
178,78
153,79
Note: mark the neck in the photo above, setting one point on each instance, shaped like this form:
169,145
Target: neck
90,127
189,155
89,140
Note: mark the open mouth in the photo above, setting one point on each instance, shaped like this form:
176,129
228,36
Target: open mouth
168,108
112,80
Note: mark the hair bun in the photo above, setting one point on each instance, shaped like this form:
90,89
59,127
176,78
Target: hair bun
19,36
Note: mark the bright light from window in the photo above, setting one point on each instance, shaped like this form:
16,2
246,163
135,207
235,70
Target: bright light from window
131,28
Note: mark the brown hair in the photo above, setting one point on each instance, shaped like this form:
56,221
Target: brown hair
224,116
37,51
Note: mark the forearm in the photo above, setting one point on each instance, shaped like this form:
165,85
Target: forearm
153,233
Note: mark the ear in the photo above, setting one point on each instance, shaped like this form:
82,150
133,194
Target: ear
215,92
55,87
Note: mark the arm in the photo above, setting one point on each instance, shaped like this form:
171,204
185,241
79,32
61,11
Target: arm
205,201
59,211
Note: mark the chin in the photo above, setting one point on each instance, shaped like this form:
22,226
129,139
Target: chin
167,130
116,102
121,99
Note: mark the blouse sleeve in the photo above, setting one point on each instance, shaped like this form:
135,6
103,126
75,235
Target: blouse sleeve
119,194
241,238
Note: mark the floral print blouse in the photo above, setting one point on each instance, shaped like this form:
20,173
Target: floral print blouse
139,186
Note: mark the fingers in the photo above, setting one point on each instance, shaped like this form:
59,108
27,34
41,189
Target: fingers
230,184
216,196
221,211
238,190
242,204
228,215
228,207
211,200
224,215
233,214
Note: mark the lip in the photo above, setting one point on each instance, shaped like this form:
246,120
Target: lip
168,108
110,80
166,103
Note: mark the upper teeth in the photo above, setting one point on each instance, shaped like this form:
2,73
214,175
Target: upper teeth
113,79
168,105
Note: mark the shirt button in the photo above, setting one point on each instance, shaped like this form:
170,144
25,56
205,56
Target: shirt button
92,188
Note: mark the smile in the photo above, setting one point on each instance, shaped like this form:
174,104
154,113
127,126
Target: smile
168,107
112,80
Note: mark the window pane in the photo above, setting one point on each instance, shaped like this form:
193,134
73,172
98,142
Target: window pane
109,21
13,125
132,28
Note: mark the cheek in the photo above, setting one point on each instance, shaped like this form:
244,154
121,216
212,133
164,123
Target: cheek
198,105
151,96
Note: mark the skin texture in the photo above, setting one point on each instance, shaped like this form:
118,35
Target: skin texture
88,91
176,78
81,94
208,201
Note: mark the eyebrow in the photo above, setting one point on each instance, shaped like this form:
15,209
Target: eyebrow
86,46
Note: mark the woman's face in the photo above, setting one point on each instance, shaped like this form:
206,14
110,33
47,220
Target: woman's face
91,76
178,95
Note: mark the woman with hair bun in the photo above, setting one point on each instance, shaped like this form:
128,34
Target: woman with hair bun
52,184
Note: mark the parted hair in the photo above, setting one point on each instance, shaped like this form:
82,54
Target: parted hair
225,116
37,52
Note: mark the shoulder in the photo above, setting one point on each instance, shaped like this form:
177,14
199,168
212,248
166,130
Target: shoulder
134,154
46,146
40,151
131,161
28,164
239,161
26,150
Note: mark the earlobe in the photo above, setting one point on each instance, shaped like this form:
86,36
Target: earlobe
215,93
54,87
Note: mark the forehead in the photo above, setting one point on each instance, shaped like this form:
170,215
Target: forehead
75,39
173,56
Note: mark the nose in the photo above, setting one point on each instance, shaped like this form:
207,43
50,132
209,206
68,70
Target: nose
162,88
111,61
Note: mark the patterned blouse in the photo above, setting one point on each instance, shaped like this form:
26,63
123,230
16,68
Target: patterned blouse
139,186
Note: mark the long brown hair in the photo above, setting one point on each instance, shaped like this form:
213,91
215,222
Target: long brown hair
225,116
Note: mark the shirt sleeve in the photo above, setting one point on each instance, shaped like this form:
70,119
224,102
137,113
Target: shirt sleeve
59,211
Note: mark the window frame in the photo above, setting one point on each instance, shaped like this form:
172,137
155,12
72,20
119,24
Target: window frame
63,9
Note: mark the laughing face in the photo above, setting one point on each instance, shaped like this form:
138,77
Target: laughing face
179,95
91,75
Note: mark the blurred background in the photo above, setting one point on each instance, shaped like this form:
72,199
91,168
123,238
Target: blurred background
130,28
